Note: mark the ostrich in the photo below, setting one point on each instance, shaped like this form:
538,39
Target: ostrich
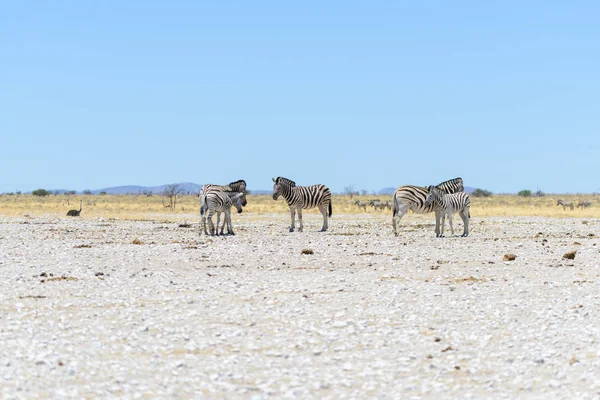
75,213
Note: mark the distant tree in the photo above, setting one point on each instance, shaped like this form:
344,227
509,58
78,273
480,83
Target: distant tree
171,192
524,193
87,192
481,193
40,192
102,193
350,190
364,192
539,193
70,193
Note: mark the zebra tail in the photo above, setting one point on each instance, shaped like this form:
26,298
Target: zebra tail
330,208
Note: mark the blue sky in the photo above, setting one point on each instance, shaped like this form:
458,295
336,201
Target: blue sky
372,94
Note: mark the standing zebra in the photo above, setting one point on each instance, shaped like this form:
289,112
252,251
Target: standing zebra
565,204
361,204
237,186
446,204
299,197
219,201
584,204
411,197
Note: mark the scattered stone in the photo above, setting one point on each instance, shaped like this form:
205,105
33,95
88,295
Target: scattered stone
137,241
509,257
307,251
570,255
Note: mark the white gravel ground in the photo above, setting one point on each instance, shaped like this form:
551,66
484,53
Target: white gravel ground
84,312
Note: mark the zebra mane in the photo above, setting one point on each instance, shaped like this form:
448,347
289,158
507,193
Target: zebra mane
240,182
455,181
285,181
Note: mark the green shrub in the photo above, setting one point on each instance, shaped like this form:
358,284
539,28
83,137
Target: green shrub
481,193
524,193
40,192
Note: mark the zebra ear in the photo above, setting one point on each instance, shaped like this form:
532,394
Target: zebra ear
274,180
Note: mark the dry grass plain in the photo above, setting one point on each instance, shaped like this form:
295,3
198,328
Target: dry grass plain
123,302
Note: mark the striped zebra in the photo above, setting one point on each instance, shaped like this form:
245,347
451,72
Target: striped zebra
584,204
446,205
361,204
219,201
411,197
565,204
299,197
237,186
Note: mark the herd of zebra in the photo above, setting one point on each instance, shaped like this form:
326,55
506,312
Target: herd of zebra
445,199
570,205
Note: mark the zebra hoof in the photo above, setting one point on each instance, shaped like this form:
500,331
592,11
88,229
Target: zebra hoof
291,229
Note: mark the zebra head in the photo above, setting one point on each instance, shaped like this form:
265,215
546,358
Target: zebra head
238,201
433,194
276,189
280,183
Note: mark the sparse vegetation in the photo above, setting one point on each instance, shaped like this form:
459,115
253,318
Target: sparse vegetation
87,192
481,193
524,193
40,193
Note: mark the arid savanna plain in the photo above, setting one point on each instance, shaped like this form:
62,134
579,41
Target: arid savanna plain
128,300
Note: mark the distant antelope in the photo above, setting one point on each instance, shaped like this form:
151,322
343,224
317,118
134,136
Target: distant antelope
75,213
565,204
361,204
584,204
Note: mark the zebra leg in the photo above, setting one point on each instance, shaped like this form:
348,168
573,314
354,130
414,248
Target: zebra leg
228,219
323,209
398,212
300,220
293,213
450,222
437,222
218,222
211,225
464,215
443,223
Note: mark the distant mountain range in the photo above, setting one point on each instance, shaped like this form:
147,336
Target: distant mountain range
185,187
189,187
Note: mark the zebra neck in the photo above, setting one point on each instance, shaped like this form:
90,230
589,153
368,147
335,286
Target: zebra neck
287,194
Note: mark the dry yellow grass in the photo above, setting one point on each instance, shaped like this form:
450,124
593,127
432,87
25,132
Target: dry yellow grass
151,207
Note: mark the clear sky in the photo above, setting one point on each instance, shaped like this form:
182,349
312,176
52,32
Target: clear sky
374,94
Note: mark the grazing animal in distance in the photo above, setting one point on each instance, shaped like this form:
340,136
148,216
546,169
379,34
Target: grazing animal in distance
75,213
219,201
303,197
565,204
361,204
584,204
446,205
410,197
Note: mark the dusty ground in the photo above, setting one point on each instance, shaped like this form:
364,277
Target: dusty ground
85,312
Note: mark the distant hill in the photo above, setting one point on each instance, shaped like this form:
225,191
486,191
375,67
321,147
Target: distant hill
134,189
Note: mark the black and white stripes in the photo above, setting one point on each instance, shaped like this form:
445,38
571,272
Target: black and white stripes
219,201
410,197
447,204
303,197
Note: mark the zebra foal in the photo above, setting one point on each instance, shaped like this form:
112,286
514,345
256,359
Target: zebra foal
410,197
219,201
303,197
446,205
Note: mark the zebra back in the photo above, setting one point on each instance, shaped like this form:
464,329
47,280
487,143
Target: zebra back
452,186
415,196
